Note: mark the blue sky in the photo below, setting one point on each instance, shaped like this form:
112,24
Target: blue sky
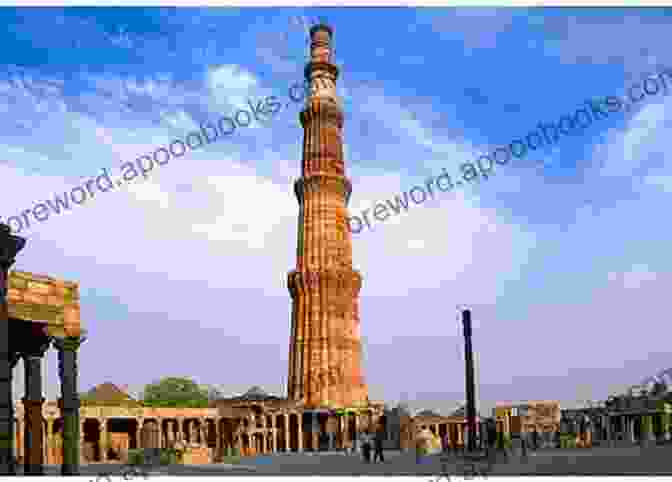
562,255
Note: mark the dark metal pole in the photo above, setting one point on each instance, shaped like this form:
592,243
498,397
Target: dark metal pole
469,361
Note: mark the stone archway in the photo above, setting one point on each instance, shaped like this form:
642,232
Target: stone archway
227,430
119,435
294,432
352,428
55,450
211,433
246,444
282,435
323,440
150,435
169,435
443,430
307,431
91,441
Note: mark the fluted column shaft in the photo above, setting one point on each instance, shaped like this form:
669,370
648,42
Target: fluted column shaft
180,429
102,441
67,371
299,431
325,347
138,433
33,423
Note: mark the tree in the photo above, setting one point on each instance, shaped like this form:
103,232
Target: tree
175,392
214,393
659,388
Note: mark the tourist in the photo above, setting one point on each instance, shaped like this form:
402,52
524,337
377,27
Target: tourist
418,447
366,446
378,441
422,442
492,435
535,439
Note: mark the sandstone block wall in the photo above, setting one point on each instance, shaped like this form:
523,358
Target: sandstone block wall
34,297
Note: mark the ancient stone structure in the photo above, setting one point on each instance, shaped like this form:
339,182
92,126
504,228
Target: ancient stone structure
36,312
111,423
453,425
544,415
325,347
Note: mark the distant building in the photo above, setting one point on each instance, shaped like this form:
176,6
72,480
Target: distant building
544,415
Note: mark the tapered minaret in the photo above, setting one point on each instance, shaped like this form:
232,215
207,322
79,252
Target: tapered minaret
325,350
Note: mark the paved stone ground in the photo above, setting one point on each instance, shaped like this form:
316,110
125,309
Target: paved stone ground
597,461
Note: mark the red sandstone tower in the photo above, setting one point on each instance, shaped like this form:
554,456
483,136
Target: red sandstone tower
325,348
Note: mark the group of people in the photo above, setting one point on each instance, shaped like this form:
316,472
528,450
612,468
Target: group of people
426,442
372,441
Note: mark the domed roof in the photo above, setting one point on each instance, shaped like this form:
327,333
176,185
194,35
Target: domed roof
660,382
108,394
427,413
256,391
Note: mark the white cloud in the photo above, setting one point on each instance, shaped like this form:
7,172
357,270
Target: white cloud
231,85
634,279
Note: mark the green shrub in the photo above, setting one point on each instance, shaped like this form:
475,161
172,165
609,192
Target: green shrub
168,456
503,441
136,457
666,422
567,441
231,459
647,425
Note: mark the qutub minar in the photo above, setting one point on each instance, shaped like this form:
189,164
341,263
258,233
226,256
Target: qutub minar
325,347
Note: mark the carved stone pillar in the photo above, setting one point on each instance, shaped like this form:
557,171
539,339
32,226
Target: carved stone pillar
315,432
138,432
170,433
18,439
102,441
67,371
81,441
33,435
218,438
300,433
9,247
159,422
239,442
180,429
287,434
201,432
50,439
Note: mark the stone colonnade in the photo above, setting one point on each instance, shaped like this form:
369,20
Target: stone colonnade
106,433
455,429
31,429
25,298
298,431
628,427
